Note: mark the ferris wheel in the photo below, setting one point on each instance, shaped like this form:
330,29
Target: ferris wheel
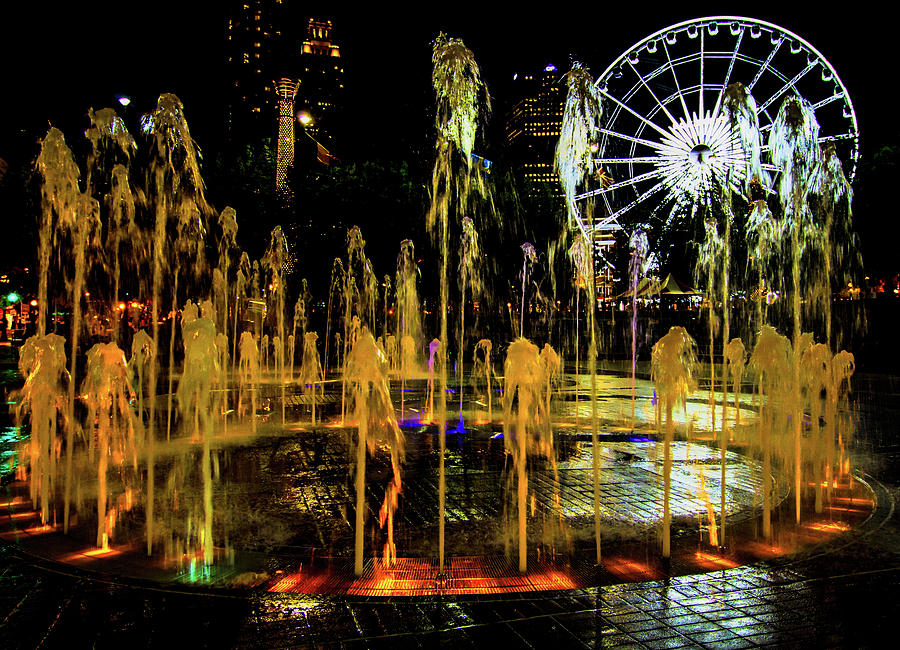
666,133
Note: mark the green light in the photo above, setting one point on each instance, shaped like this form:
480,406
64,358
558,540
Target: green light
12,297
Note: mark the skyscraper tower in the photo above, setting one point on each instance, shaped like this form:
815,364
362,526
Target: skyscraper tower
532,127
321,73
286,90
255,53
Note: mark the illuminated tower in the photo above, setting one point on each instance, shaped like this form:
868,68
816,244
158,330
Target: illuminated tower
286,90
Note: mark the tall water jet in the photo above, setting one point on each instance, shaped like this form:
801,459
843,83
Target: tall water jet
122,227
833,189
481,367
672,368
141,359
794,148
77,214
734,356
359,291
177,183
771,359
636,270
107,393
763,240
574,161
242,282
707,260
249,375
460,95
582,270
274,259
60,195
42,361
201,366
529,259
469,278
409,318
111,145
524,378
374,415
311,372
334,288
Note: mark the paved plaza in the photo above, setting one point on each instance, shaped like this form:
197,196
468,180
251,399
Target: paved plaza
838,591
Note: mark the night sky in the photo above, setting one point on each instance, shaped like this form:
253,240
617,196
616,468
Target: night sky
57,62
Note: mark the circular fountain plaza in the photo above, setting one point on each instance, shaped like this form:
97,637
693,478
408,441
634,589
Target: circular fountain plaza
283,499
213,436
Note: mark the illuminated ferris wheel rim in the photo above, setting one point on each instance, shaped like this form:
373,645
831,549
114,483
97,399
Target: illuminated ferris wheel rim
680,142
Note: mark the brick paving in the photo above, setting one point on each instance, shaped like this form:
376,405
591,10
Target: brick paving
841,593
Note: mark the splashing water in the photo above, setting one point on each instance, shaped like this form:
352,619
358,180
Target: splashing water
482,368
374,415
461,99
637,269
579,134
469,276
42,361
672,368
524,379
107,393
310,370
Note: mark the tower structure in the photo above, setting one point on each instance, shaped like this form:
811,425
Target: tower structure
532,127
286,91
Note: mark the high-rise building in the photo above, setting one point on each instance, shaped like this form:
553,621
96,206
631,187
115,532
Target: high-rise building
255,39
532,127
321,73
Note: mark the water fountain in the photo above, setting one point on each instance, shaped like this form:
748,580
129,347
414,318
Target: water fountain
239,483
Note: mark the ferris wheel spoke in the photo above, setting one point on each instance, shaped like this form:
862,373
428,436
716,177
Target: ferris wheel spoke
606,203
734,54
652,94
789,84
640,199
827,101
765,66
702,64
635,160
634,180
837,138
687,113
631,138
643,119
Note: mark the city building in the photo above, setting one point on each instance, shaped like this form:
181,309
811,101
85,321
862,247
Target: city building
255,56
321,73
532,128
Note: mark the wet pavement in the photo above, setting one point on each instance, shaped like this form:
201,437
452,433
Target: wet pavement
839,593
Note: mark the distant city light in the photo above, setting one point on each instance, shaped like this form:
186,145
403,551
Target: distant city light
124,100
550,68
304,118
12,297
